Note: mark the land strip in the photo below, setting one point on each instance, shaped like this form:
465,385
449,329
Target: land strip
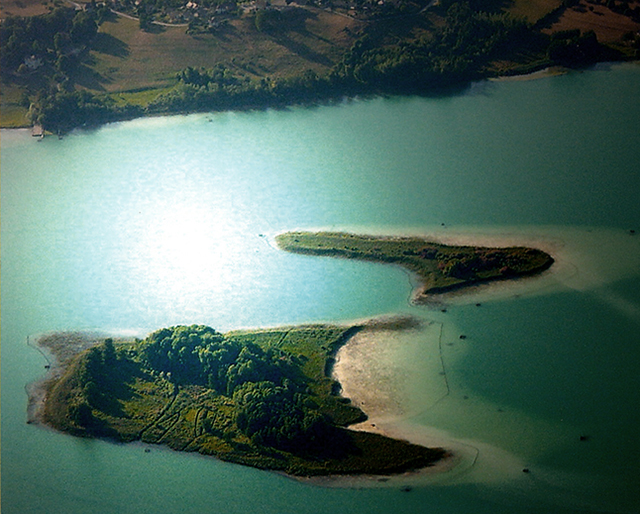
440,268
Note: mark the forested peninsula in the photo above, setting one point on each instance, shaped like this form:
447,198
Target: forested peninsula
440,268
64,66
262,398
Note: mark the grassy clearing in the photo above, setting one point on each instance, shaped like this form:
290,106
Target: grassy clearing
141,98
609,26
533,10
24,7
12,114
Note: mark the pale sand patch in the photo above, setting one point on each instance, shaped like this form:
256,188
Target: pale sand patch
552,71
372,371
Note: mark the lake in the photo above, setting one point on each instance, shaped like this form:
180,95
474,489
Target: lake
154,222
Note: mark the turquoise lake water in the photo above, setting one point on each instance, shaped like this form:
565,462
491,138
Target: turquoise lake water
154,222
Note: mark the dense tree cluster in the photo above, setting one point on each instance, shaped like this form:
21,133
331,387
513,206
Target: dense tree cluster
466,267
53,39
454,53
570,47
272,404
219,76
200,355
298,428
95,382
64,110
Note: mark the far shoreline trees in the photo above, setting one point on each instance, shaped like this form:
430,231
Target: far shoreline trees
45,50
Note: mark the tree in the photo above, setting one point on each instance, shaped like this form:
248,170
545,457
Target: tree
81,414
84,28
109,356
145,21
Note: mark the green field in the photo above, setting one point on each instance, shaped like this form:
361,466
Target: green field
126,58
12,113
533,10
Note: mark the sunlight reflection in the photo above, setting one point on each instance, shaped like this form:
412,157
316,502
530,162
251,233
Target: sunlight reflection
189,244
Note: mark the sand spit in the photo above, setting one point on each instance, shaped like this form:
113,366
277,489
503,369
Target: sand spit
585,258
372,377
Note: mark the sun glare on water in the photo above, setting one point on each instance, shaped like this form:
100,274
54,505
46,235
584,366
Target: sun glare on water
188,247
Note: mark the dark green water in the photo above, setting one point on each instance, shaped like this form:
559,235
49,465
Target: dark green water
162,221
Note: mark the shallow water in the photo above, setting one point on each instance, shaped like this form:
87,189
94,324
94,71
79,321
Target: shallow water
161,221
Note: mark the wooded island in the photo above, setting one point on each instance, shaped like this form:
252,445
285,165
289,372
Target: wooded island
262,398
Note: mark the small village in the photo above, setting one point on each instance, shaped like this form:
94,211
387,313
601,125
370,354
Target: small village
208,15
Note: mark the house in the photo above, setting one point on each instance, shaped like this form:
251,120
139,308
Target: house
33,63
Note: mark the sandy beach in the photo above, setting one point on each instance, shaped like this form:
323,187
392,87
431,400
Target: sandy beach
370,373
551,71
376,387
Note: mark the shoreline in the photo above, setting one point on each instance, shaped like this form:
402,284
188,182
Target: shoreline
383,409
44,343
547,72
467,460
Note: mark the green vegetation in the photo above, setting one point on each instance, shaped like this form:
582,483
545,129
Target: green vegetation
262,398
441,268
72,68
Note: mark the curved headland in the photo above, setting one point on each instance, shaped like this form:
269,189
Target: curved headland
440,268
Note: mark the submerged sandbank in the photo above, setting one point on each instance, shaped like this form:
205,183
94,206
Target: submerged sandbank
551,71
374,370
